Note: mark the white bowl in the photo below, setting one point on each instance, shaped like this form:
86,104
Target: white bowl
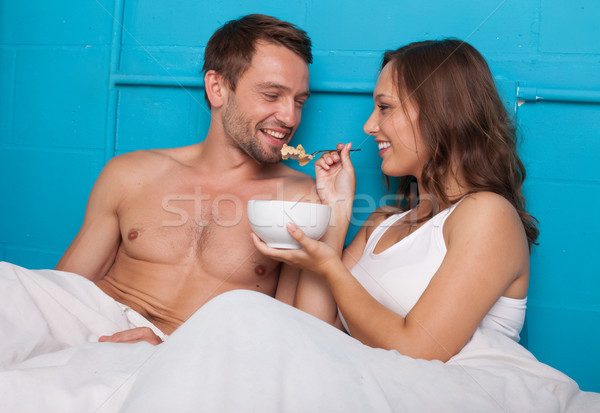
269,218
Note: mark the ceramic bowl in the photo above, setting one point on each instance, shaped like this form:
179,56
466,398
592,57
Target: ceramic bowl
269,218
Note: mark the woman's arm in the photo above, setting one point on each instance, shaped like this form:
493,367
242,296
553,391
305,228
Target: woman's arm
486,252
335,185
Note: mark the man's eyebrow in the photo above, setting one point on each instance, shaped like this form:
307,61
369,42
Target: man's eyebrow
272,85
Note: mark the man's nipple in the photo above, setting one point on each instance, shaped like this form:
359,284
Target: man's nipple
133,234
260,269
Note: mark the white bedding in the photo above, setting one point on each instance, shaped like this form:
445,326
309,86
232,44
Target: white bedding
245,352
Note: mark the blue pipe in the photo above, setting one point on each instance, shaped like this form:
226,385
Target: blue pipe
534,94
197,82
113,97
524,93
149,80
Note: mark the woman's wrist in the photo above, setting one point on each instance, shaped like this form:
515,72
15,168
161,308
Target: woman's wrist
337,230
335,272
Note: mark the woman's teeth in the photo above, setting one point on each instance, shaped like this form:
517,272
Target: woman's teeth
278,135
383,145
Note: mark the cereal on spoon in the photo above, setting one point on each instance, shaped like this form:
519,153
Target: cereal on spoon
298,153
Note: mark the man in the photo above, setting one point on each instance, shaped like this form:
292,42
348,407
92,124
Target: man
166,230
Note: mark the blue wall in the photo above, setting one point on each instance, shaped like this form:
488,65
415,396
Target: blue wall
83,80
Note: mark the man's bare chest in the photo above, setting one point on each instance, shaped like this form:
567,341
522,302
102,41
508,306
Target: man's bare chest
191,225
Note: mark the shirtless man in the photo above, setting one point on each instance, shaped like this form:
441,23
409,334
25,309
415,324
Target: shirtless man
166,230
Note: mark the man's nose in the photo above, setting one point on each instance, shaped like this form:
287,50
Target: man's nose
287,113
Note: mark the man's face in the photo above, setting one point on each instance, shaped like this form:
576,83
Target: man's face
264,111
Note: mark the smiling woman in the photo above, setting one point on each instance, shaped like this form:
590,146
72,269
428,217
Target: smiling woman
445,275
393,123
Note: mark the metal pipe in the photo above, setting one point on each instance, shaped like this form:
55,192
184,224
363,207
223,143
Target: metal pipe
167,81
113,95
198,82
534,94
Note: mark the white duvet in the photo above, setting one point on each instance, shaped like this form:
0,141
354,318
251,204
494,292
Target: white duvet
243,352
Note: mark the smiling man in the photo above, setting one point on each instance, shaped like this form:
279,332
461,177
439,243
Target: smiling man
166,230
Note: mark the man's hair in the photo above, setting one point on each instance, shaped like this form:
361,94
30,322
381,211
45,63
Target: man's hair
462,121
230,49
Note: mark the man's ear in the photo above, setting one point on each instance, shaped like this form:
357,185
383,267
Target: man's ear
215,88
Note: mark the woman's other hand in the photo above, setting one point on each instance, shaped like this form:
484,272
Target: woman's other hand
314,256
336,181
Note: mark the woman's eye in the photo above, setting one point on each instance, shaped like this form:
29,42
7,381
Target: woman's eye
383,107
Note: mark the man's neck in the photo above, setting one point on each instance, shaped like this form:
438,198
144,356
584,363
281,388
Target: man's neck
217,155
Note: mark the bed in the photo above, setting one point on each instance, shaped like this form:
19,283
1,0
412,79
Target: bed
244,352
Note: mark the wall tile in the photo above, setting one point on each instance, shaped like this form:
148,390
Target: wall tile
570,27
383,25
579,72
32,258
563,271
186,23
162,60
561,140
61,96
160,117
7,75
56,22
562,338
44,195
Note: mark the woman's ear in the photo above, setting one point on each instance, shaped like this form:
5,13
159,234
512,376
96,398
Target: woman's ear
215,88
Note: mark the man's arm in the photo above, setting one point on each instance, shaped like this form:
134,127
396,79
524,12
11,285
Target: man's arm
93,250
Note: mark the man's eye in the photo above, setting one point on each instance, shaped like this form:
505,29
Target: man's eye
270,96
300,103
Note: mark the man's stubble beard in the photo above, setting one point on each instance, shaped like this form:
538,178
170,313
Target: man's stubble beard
242,136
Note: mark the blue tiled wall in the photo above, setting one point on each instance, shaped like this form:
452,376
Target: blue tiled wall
81,81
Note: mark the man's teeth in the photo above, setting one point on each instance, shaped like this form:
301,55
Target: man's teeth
274,134
383,145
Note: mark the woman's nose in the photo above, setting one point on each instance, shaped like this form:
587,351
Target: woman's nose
370,127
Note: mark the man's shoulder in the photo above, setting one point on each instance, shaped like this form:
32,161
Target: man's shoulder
149,159
296,182
131,169
290,175
145,155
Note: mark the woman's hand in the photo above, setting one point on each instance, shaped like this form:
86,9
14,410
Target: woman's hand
314,256
336,181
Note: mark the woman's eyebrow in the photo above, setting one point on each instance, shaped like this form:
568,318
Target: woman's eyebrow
382,95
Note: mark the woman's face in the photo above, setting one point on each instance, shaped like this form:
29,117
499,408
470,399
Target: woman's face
394,125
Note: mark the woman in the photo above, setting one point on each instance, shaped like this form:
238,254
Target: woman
424,280
433,297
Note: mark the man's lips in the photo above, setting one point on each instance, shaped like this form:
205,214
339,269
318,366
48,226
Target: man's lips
274,133
276,137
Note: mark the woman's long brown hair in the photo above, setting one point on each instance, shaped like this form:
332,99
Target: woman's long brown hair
463,123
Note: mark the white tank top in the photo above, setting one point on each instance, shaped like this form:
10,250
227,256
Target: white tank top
398,276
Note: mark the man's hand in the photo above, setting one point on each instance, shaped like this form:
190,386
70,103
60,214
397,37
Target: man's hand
135,335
